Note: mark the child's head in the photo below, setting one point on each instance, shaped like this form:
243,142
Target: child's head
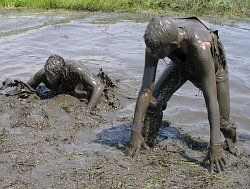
54,67
161,33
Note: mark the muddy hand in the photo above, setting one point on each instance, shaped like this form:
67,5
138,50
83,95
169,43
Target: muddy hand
217,159
136,143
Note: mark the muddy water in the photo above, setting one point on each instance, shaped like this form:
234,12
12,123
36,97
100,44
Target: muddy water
114,42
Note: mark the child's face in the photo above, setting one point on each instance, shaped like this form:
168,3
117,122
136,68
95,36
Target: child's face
52,78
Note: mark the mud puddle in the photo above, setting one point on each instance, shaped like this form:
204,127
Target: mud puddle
56,143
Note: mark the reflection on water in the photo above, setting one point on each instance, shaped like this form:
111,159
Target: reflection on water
114,42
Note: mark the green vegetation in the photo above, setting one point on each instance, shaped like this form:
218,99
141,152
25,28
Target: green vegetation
67,108
211,179
156,180
77,155
3,136
228,8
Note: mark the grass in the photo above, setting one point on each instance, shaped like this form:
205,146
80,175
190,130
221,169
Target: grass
211,179
157,179
3,136
67,108
227,8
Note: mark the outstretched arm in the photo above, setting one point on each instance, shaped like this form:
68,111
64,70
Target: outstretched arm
96,85
136,139
38,78
205,64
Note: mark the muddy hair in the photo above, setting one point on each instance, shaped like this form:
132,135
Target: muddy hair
160,32
55,65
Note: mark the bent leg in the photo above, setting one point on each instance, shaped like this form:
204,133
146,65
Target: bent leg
227,126
169,82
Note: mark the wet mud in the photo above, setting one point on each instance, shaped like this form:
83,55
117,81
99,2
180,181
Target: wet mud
57,143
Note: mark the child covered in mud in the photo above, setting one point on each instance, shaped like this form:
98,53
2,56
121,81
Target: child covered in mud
197,55
62,76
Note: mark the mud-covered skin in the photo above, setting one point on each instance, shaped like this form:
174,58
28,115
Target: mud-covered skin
69,77
196,55
137,136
